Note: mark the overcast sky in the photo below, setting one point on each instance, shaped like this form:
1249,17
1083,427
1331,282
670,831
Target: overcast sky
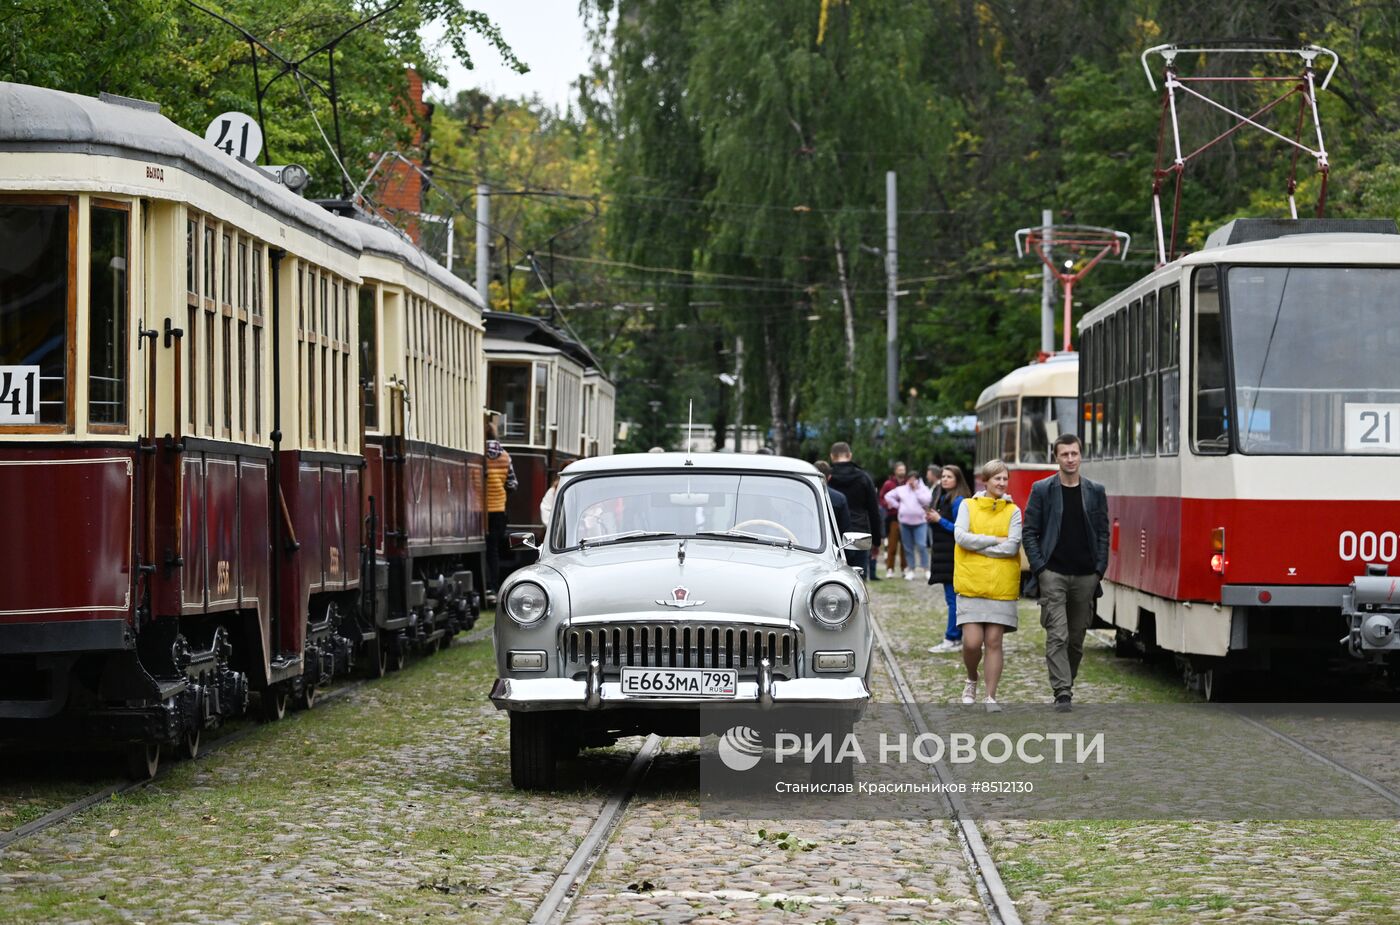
548,35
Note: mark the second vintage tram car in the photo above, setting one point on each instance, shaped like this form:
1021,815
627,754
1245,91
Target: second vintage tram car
551,404
1242,406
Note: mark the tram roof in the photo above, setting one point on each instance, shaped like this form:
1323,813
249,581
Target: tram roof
1335,248
509,332
39,119
678,461
376,239
1052,377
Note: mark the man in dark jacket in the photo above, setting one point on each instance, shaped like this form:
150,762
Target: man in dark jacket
839,505
855,483
1065,533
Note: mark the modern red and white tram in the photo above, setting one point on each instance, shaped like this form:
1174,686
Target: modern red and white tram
1021,414
1242,406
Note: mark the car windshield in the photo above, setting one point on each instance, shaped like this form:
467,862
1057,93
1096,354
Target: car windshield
623,506
1314,352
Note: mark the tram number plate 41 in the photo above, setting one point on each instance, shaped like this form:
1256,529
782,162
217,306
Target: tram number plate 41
680,682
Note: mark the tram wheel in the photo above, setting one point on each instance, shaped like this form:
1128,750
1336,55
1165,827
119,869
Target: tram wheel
534,746
188,747
1219,685
445,642
1124,646
397,647
274,704
376,656
305,697
141,759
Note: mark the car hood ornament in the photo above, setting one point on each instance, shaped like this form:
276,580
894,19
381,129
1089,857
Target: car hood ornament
680,597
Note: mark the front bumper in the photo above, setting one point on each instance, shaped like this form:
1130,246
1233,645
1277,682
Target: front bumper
528,694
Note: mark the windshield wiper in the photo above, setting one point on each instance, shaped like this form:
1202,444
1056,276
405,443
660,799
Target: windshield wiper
620,537
751,537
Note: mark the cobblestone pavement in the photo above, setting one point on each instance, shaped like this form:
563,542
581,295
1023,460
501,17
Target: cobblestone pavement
391,804
667,864
1107,871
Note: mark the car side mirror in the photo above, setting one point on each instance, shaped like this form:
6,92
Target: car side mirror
856,541
524,539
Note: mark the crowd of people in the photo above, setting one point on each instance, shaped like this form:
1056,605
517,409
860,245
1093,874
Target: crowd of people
934,526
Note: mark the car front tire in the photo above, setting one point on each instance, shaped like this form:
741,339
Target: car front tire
534,751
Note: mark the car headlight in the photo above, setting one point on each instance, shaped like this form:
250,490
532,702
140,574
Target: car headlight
832,604
526,603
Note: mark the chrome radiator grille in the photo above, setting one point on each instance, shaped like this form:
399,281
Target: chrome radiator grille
643,645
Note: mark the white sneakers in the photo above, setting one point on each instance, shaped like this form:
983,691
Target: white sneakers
946,646
889,572
992,705
908,574
969,694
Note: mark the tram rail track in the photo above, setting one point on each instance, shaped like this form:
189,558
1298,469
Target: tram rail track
991,889
82,804
573,878
78,806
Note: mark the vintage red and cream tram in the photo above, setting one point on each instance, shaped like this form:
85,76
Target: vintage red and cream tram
1242,406
183,461
551,402
1021,414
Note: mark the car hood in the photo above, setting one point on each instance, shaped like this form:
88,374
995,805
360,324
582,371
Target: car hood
729,578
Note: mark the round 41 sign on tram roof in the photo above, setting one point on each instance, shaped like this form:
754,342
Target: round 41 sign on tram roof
237,134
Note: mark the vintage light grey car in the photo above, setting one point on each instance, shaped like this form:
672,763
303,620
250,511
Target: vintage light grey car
670,584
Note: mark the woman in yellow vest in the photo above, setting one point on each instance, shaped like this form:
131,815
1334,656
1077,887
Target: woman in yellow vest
987,577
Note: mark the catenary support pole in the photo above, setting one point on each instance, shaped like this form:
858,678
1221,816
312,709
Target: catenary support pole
1047,291
891,303
483,241
738,393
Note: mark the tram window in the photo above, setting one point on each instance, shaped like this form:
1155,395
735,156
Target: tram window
227,287
1086,390
209,373
257,380
1149,332
228,376
257,279
1313,353
987,433
539,431
1209,415
34,300
1095,421
1149,378
243,380
1110,388
191,254
243,274
191,379
208,261
1035,441
369,356
1171,411
1133,408
1169,387
107,315
508,391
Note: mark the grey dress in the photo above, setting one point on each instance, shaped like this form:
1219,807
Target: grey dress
981,609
